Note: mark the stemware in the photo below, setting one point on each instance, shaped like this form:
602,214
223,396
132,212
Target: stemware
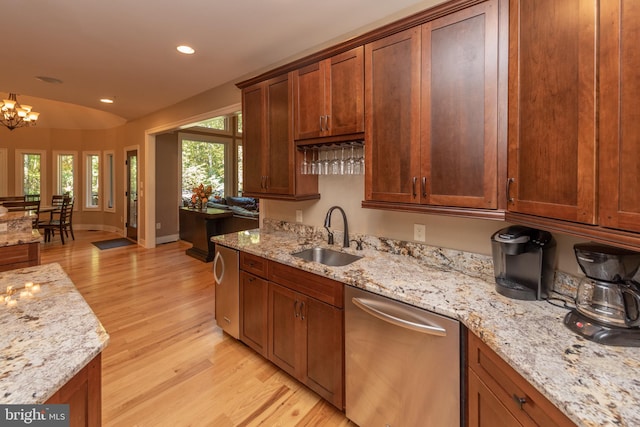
305,164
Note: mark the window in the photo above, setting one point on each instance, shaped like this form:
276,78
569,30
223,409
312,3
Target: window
109,181
30,171
203,162
218,123
65,172
92,180
239,123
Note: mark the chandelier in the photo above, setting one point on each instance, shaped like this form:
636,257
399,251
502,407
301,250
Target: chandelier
15,115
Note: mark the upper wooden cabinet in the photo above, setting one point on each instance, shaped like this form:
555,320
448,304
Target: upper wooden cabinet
431,105
552,109
619,142
269,154
328,96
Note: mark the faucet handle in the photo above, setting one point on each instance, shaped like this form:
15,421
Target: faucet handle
358,243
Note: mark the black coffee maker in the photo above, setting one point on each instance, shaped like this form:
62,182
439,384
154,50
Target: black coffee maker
523,262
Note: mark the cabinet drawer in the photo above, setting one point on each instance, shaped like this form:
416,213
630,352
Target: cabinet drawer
318,287
509,386
254,264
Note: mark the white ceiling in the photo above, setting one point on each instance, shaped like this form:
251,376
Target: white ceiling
126,49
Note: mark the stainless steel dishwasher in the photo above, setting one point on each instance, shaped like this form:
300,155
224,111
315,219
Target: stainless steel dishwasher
402,364
226,274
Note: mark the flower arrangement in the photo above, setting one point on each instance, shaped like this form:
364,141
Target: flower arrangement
201,195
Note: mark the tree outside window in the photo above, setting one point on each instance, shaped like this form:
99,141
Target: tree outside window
203,163
31,183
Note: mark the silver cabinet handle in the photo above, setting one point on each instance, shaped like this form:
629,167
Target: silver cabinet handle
415,179
424,186
369,307
217,258
295,308
321,128
326,122
302,310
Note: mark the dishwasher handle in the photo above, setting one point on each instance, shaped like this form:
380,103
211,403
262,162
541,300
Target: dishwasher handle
215,265
368,307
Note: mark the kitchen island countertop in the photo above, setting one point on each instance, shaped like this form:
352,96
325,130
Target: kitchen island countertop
47,337
593,384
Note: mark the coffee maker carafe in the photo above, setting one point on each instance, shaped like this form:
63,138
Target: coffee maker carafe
608,298
523,262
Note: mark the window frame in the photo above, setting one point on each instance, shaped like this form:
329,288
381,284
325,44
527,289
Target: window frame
19,172
109,180
87,180
227,142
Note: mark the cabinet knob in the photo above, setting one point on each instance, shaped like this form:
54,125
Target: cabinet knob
519,400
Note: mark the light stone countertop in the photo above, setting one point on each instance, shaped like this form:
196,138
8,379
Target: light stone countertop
16,229
593,384
46,339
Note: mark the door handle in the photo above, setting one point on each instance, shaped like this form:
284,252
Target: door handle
368,306
217,258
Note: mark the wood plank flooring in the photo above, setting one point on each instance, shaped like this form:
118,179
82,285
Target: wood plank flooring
167,363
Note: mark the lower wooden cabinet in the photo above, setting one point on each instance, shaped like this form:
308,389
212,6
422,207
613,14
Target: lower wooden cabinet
19,256
296,320
253,312
83,394
499,396
305,340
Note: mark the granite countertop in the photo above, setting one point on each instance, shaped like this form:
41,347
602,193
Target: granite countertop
16,229
593,384
46,338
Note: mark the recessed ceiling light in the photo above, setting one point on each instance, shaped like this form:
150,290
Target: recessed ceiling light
46,79
187,50
106,100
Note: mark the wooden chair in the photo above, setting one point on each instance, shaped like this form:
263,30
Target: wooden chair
63,222
11,199
24,205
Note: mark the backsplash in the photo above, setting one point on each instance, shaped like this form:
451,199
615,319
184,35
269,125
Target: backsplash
472,264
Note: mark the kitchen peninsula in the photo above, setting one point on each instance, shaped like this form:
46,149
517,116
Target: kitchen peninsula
51,342
19,242
591,384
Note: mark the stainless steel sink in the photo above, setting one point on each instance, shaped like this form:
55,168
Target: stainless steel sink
327,256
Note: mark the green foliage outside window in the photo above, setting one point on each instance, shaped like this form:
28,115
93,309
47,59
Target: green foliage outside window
31,167
202,163
66,173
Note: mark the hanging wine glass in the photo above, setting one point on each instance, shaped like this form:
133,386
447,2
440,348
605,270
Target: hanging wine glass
305,164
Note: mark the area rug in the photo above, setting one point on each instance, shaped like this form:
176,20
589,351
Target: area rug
112,243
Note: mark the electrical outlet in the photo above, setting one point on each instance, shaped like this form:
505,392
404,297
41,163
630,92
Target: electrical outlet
419,232
158,225
298,215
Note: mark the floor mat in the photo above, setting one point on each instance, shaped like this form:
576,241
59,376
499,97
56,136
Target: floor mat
113,243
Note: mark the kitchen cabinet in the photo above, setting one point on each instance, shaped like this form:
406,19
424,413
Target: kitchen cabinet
269,154
19,256
552,109
253,302
431,102
329,96
306,329
296,320
498,395
619,142
83,394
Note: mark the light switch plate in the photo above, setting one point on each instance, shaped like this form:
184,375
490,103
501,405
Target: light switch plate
419,232
298,215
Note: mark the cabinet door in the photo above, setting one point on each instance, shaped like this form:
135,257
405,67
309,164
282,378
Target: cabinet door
253,115
325,350
309,101
345,94
552,114
253,312
485,409
459,109
280,152
619,114
286,330
392,125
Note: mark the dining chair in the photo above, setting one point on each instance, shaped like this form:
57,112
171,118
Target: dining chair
11,199
63,222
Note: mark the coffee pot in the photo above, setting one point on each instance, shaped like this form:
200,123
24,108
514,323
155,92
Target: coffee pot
608,298
614,304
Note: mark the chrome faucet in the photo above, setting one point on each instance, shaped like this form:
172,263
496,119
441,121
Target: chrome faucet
327,224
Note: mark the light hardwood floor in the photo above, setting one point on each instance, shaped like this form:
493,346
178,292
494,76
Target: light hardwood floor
167,363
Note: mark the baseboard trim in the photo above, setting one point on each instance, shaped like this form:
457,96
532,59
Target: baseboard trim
167,239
